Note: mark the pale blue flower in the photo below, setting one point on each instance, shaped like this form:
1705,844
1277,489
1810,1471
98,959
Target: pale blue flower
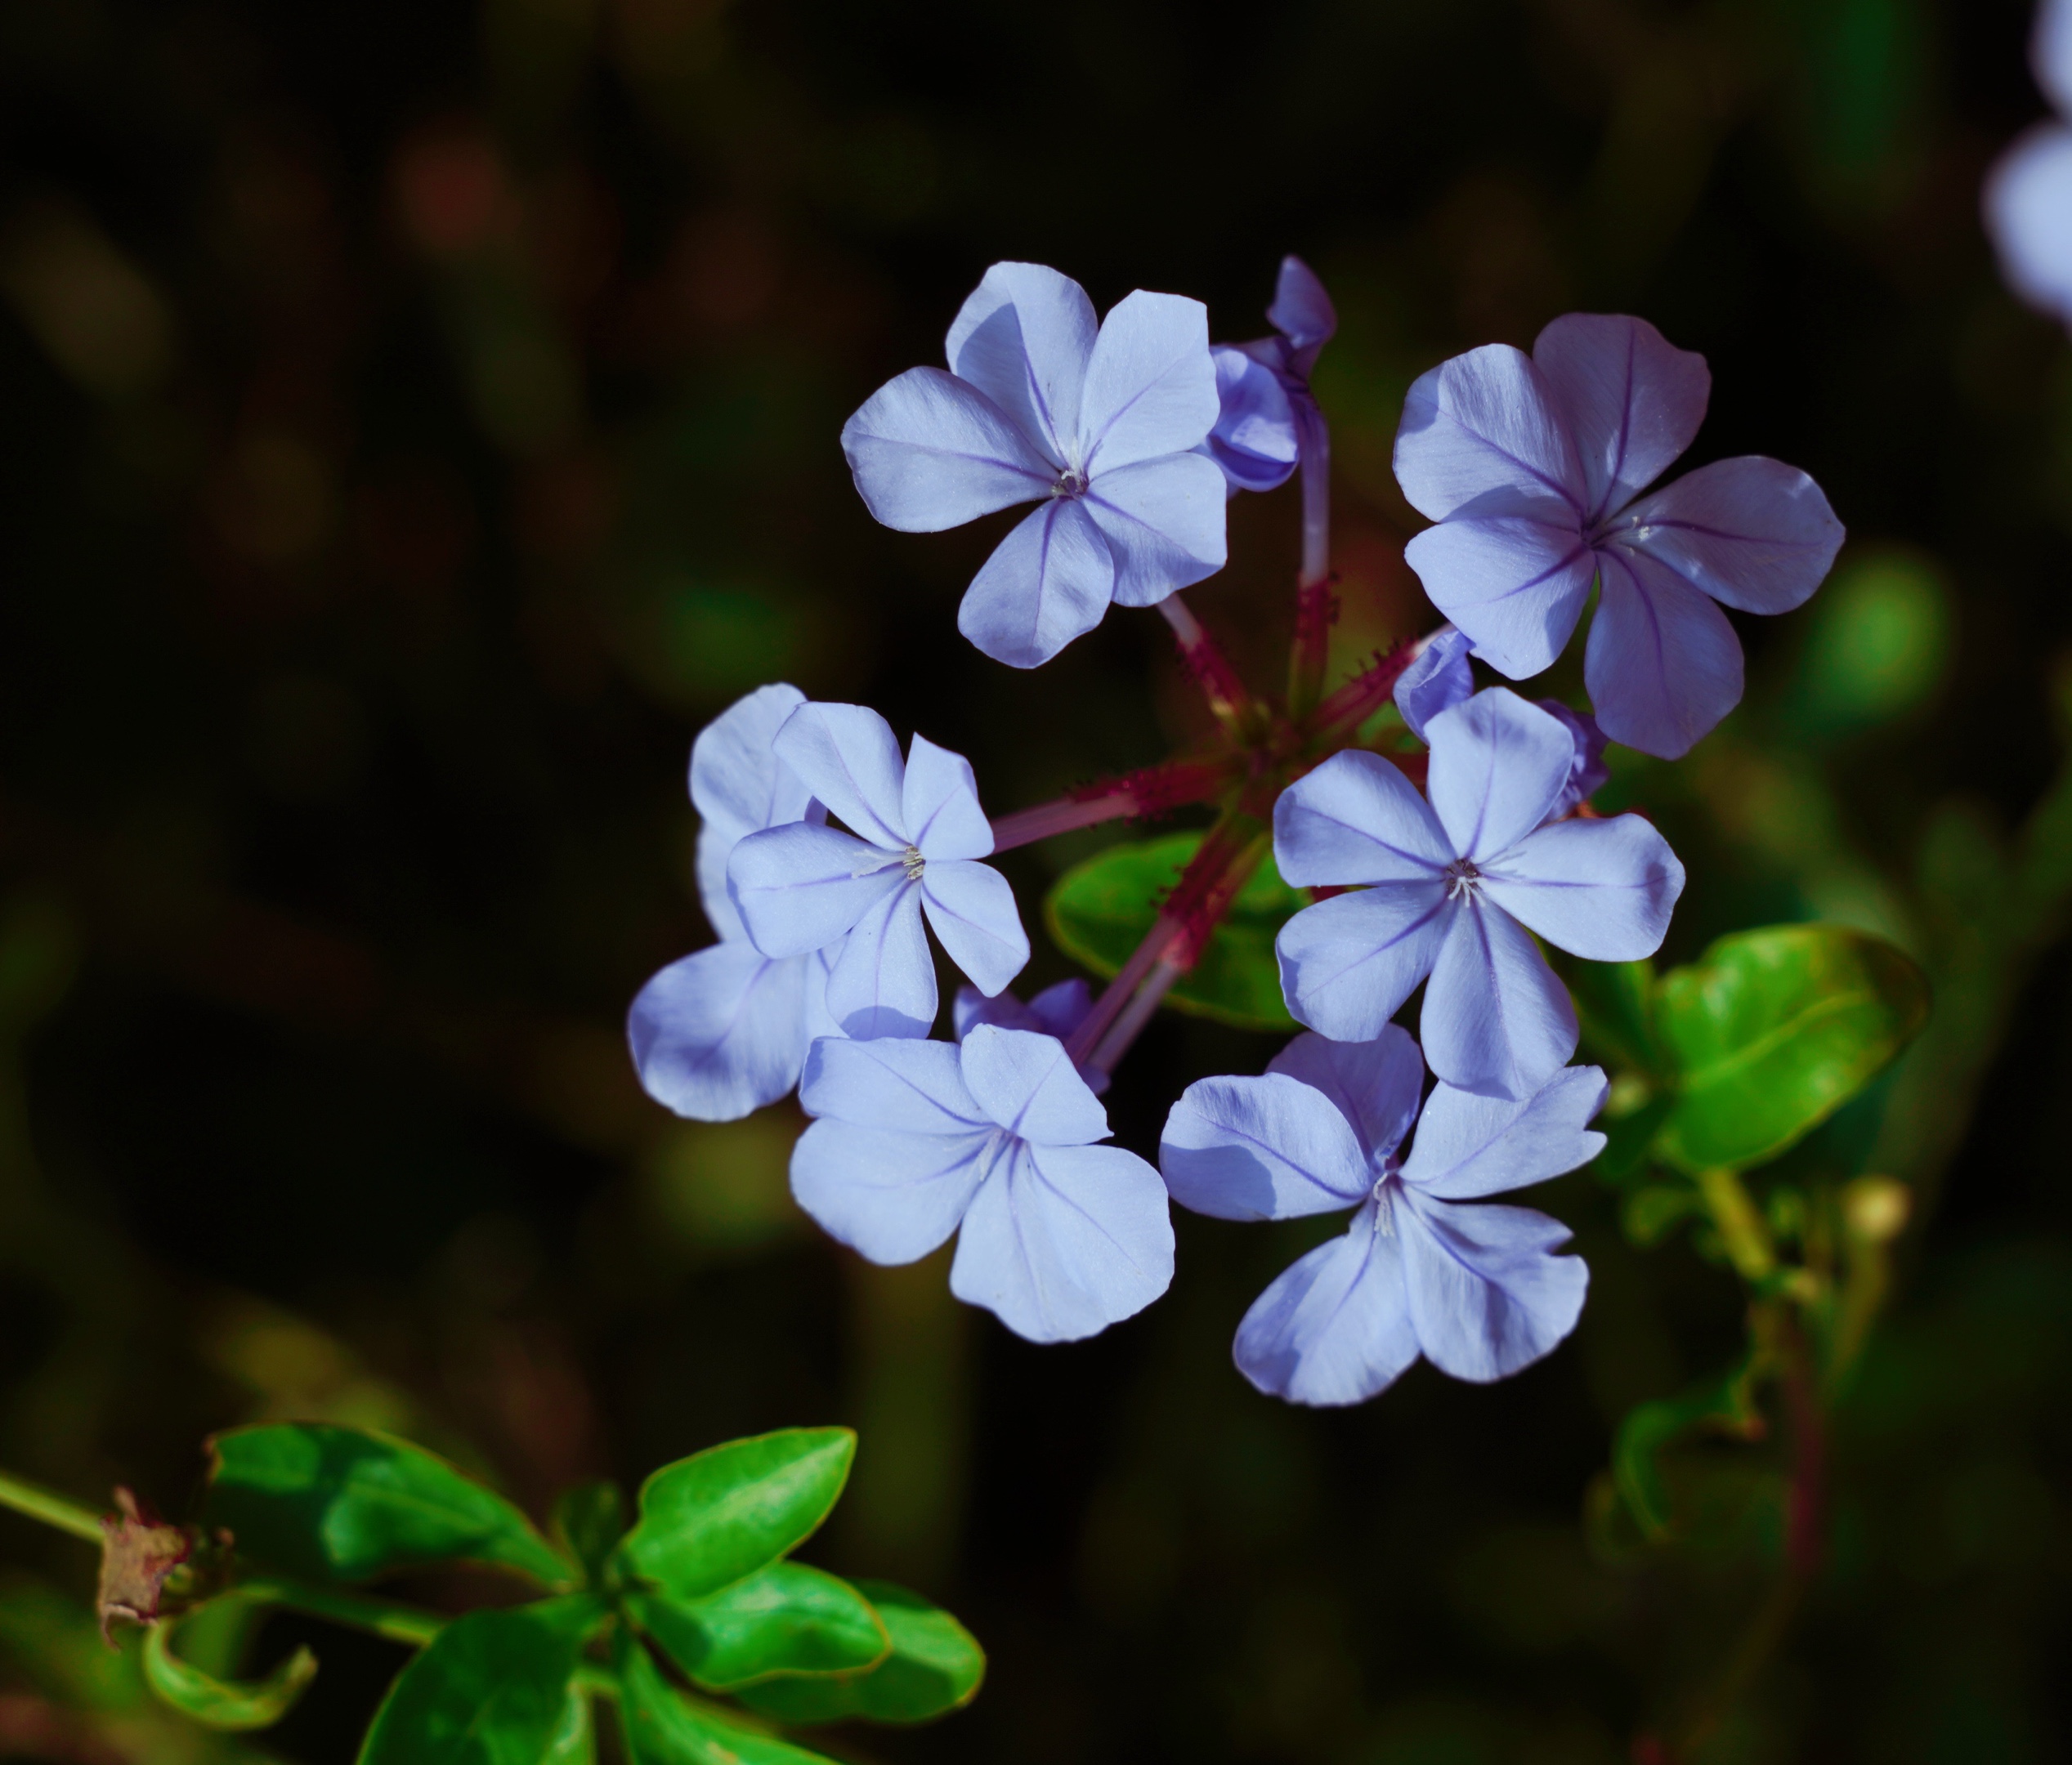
1269,416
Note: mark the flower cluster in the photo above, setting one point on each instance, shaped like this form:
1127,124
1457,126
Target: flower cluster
825,858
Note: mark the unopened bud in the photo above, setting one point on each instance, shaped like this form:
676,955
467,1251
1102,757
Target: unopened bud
1875,1207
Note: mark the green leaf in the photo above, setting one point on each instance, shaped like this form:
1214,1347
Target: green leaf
936,1665
707,1520
574,1739
1773,1030
787,1618
590,1519
1724,1405
1099,912
1615,1008
664,1727
216,1703
343,1504
492,1688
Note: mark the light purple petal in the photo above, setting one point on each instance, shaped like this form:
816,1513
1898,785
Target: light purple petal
1633,401
1468,1147
1438,678
2050,51
903,1086
939,803
1024,338
1495,1020
800,887
1335,1328
1057,1010
1026,1081
1662,664
1588,771
1047,581
1266,1148
1062,1241
892,1197
1480,436
1357,818
1497,765
1164,523
929,452
883,983
1375,1085
972,909
1347,964
1514,583
1753,533
848,757
720,1034
819,1020
1061,1008
1150,387
1601,889
2029,212
1254,441
739,787
1487,1297
1302,313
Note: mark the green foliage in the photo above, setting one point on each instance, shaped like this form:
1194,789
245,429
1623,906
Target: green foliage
1099,911
935,1666
345,1504
663,1727
1724,1405
214,1702
786,1619
590,1519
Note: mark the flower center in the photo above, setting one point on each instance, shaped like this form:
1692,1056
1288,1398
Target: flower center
1461,877
1072,482
913,863
1384,1212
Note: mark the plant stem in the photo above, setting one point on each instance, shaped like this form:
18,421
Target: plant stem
1341,715
384,1618
1316,608
52,1509
1151,791
1741,1227
1229,701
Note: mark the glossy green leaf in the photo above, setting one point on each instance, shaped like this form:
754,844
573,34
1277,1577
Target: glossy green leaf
664,1727
341,1504
220,1704
707,1520
1099,912
1773,1030
590,1519
492,1688
936,1665
786,1619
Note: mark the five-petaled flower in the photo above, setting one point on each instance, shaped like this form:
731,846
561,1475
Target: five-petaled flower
916,830
993,1138
2028,196
1269,417
1476,1290
1098,420
1534,468
1453,884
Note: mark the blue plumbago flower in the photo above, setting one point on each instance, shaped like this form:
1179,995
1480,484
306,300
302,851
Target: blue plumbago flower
724,1032
1475,1289
1267,415
1097,421
1438,678
1059,1237
2029,196
1057,1010
1534,466
916,830
1453,884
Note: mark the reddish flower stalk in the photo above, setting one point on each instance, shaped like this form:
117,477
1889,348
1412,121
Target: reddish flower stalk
1150,791
1229,702
1343,712
1316,607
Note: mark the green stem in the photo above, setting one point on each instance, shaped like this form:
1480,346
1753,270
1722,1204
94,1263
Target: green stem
1741,1227
384,1618
52,1509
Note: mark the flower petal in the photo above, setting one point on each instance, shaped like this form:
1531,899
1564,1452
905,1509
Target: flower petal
2050,51
720,1033
1662,664
1374,1085
1062,1241
848,757
972,909
1481,435
1587,771
1347,964
1633,401
1047,581
800,887
1254,439
1438,678
1150,386
738,787
883,983
939,804
1024,338
1335,1329
1357,818
1487,1297
1468,1147
928,452
1164,523
1753,533
904,1086
1514,583
1302,313
1601,889
1270,1148
2027,202
1026,1081
892,1197
1057,1010
1495,1020
1497,765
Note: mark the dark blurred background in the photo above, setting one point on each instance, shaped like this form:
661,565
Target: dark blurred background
416,420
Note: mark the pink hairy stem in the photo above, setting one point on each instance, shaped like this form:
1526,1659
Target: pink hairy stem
1316,607
1341,714
1150,791
1229,702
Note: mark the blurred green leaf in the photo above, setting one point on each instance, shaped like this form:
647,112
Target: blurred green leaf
492,1688
1650,1211
936,1666
214,1702
590,1519
787,1618
1877,645
341,1504
1099,911
1615,1007
574,1739
1724,1405
1773,1029
663,1727
708,1521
